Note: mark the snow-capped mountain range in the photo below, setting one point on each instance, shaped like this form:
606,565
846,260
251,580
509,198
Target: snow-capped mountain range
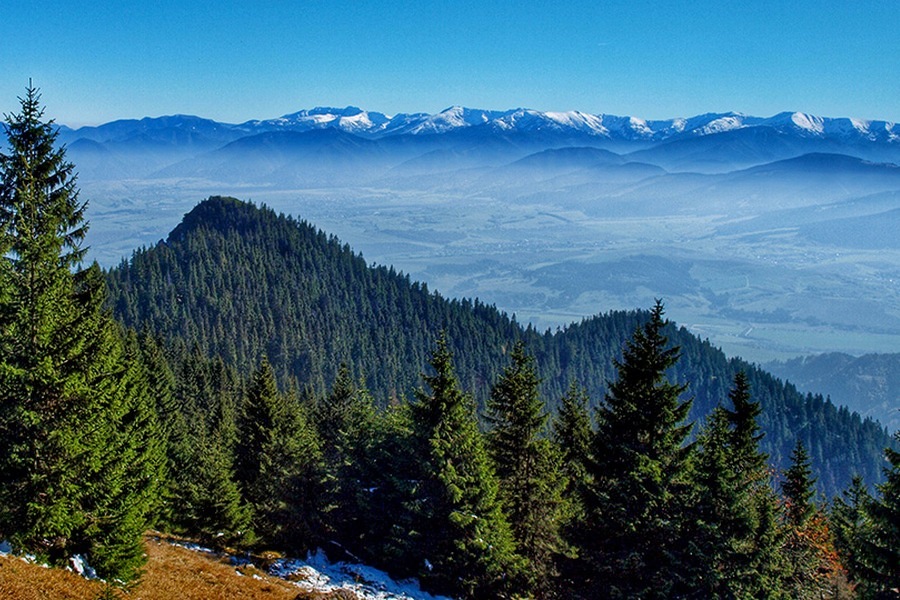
375,124
455,197
378,125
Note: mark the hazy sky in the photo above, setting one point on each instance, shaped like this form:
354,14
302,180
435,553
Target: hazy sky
233,61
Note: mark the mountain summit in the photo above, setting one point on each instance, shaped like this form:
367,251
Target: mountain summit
375,124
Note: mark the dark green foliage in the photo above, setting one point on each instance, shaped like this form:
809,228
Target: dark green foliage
572,433
720,510
242,283
387,486
883,549
745,437
529,467
460,538
852,530
346,425
277,465
734,530
204,498
811,562
82,454
128,493
798,488
634,538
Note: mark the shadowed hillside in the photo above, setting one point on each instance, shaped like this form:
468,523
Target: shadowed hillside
242,282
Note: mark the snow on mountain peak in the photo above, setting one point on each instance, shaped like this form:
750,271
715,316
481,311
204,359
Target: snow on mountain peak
808,122
860,125
728,122
375,124
580,121
450,118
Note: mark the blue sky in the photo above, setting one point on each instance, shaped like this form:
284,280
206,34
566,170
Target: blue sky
98,61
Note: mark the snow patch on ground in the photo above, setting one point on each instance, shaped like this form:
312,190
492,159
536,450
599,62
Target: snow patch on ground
6,549
194,547
318,573
79,565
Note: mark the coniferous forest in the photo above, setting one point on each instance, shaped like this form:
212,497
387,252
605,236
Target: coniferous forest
251,382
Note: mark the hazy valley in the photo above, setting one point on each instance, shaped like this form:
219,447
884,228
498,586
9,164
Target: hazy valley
772,237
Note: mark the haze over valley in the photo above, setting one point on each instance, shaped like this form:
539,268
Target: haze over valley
773,237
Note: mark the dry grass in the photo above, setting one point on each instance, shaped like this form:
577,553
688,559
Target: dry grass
171,573
24,581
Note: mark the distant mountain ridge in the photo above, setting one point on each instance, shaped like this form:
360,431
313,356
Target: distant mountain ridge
787,220
869,384
375,124
463,137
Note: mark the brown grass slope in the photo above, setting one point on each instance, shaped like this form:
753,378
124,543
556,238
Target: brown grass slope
172,573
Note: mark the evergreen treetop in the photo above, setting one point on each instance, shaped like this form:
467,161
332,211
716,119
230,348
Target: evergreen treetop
634,536
746,435
799,487
83,455
459,528
883,549
42,218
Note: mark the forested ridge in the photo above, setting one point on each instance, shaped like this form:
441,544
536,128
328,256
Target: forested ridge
269,390
242,282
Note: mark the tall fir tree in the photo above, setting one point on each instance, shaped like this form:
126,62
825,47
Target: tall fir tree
746,433
572,432
883,548
719,509
736,536
277,465
758,565
204,494
852,532
634,540
812,566
459,535
345,422
798,488
80,468
529,468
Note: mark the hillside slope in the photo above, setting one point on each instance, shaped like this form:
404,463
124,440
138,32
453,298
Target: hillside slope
241,282
868,384
171,572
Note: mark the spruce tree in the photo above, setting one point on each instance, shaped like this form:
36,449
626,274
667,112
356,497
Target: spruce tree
460,536
735,533
204,494
812,566
572,432
277,465
746,435
883,549
81,463
756,539
798,488
345,422
719,509
852,531
529,469
634,540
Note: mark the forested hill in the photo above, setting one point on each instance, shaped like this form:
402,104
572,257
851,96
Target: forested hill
242,282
